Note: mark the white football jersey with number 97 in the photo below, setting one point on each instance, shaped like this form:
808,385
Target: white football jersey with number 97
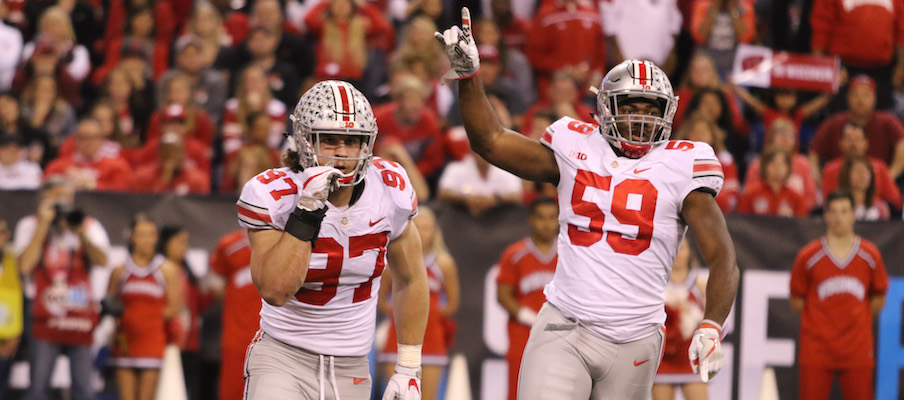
334,312
620,226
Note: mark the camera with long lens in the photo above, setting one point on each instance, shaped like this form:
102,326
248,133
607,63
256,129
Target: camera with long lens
67,213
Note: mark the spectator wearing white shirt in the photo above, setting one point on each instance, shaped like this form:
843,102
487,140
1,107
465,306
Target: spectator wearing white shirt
17,173
642,29
477,185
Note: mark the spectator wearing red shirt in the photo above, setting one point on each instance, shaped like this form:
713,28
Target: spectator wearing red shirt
253,157
784,106
563,99
513,28
854,143
171,172
409,122
524,270
858,178
252,96
231,261
884,132
138,39
868,36
566,35
177,101
772,196
838,283
209,87
703,130
165,23
701,75
88,168
106,120
343,29
783,137
173,122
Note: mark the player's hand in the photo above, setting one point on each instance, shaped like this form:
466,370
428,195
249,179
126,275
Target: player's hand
318,183
405,384
461,49
705,351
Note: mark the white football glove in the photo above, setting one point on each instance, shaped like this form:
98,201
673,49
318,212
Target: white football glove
318,183
405,384
526,316
460,48
705,351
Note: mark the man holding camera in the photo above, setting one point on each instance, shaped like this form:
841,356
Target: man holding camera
57,248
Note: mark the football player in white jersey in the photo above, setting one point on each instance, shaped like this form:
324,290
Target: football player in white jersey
627,195
321,230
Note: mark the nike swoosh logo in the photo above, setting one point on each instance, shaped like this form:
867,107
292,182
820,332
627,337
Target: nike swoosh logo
413,382
358,380
372,223
637,171
637,364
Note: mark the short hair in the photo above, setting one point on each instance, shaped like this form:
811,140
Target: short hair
541,201
852,124
839,195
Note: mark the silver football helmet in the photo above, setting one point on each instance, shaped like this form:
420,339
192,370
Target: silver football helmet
337,108
634,79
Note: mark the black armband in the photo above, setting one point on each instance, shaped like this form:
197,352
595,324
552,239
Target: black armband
305,225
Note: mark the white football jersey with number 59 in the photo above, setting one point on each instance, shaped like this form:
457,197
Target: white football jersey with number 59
334,312
620,226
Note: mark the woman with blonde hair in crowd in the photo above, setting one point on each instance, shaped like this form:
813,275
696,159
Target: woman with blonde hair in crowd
252,97
207,25
442,278
148,287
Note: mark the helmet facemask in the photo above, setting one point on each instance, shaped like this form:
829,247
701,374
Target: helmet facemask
635,132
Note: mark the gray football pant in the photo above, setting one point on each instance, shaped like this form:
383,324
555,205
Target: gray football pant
564,360
278,371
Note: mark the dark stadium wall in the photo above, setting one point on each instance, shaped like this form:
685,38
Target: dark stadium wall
764,337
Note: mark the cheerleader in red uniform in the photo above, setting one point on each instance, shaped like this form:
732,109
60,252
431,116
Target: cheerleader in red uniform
442,277
148,287
684,297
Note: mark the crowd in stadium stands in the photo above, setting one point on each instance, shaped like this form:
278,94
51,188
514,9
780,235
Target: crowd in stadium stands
193,97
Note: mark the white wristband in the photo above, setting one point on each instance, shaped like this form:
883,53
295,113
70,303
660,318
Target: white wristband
409,355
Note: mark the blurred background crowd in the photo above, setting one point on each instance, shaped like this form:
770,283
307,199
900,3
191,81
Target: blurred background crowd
189,96
193,96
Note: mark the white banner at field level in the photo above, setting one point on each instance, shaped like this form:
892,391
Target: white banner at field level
762,67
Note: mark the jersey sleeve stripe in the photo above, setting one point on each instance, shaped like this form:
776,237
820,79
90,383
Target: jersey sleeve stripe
703,168
253,214
546,138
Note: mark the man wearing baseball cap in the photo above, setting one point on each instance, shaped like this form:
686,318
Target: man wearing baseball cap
884,132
